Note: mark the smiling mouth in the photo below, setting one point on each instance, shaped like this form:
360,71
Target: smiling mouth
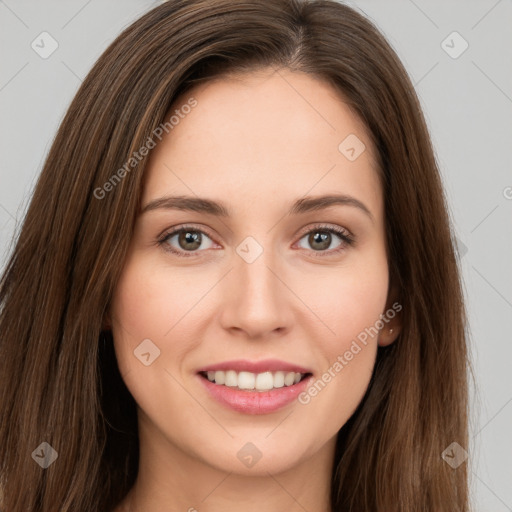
248,381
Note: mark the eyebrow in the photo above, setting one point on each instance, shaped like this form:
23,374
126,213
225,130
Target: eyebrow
219,209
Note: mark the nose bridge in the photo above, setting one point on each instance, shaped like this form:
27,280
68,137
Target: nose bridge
259,282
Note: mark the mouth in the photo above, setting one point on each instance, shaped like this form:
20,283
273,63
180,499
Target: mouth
254,387
249,381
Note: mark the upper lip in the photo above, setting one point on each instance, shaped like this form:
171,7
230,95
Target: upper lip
266,365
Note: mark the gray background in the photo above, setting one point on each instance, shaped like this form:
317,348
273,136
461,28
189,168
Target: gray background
467,102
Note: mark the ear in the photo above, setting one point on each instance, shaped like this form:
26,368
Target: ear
392,318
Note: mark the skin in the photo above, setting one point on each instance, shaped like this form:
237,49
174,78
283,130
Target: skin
256,142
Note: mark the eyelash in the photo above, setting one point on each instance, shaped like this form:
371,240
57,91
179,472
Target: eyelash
347,239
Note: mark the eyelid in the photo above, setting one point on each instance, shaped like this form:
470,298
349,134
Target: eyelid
183,227
319,226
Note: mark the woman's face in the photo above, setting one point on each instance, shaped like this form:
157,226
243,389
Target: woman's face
258,288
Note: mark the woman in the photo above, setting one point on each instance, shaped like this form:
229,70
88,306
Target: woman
236,286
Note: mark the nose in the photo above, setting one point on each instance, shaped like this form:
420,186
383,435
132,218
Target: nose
256,300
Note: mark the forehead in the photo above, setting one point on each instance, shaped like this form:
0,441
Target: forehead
271,131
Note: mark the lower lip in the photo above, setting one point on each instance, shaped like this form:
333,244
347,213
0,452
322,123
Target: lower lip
255,402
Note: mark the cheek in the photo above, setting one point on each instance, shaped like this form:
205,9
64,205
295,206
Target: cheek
346,303
347,361
349,303
151,304
146,305
149,299
360,304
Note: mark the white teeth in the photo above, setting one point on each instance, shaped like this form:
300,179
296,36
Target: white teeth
278,379
246,380
231,378
260,382
289,378
265,381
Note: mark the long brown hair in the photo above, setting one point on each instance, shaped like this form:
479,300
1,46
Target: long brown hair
59,380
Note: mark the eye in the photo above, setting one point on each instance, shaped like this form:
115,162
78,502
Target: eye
187,239
320,239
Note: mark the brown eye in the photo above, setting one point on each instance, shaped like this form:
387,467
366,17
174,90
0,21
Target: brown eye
185,240
189,240
320,239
